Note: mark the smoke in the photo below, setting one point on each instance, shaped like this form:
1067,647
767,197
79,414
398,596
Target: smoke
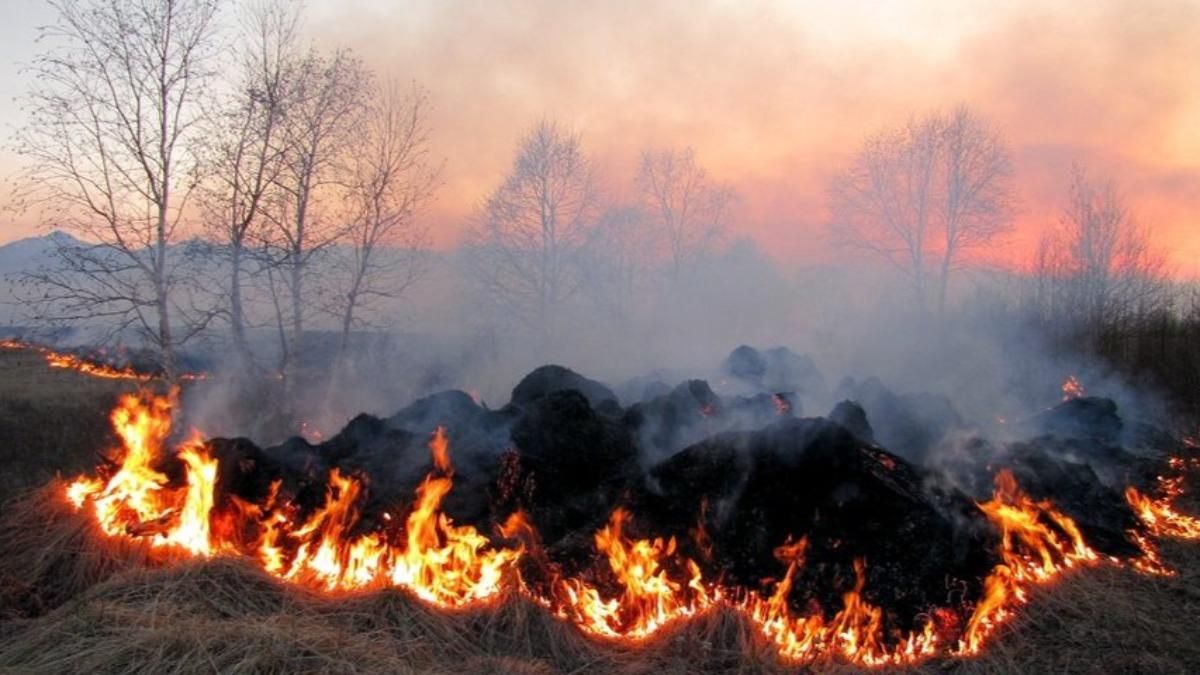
930,388
773,95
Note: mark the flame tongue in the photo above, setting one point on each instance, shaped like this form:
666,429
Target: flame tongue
649,599
1159,514
439,561
1037,543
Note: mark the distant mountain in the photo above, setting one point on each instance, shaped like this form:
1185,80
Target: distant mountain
26,255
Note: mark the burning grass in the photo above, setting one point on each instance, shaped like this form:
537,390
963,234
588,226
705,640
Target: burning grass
225,614
138,574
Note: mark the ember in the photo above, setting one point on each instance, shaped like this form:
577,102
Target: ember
1071,388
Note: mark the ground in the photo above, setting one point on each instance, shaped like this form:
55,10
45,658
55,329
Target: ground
70,602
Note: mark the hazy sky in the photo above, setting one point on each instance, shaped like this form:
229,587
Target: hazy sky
774,96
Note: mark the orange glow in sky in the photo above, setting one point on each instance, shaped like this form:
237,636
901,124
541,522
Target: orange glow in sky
775,96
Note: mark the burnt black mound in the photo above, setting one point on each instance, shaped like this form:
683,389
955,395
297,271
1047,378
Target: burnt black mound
889,479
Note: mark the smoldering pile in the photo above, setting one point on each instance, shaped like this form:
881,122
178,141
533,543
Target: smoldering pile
892,480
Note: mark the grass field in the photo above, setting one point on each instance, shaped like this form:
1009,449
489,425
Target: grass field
72,601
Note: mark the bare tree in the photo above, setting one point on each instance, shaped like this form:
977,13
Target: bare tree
113,109
689,208
245,147
1098,267
391,177
324,113
975,199
526,243
881,202
930,190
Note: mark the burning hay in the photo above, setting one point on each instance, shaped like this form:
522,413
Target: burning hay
797,542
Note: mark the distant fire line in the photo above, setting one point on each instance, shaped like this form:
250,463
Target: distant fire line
92,368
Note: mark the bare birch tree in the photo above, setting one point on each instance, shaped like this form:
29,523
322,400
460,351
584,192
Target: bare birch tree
324,113
246,150
975,199
689,209
114,106
526,243
928,191
391,178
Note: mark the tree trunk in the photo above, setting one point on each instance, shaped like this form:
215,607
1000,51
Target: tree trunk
297,331
162,302
944,283
237,317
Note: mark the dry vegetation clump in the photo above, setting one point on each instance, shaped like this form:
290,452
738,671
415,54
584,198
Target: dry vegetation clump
101,636
49,553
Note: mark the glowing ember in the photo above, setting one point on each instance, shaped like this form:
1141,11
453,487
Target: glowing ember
310,432
1071,388
782,405
649,583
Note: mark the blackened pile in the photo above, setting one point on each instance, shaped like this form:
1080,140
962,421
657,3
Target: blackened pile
889,479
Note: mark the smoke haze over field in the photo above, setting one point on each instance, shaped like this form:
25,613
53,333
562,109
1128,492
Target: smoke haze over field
775,96
947,197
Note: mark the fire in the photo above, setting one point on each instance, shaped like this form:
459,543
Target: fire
71,362
855,633
1038,542
444,563
1159,514
88,367
643,585
650,598
440,562
137,499
1071,388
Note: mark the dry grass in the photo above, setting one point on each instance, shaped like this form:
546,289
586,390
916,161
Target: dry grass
52,421
77,603
72,601
51,554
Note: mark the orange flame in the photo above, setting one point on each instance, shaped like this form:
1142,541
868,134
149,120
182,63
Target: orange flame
88,367
650,598
1159,515
855,633
1038,542
440,562
651,583
137,499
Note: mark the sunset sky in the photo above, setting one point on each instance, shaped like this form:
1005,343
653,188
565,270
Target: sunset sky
775,96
